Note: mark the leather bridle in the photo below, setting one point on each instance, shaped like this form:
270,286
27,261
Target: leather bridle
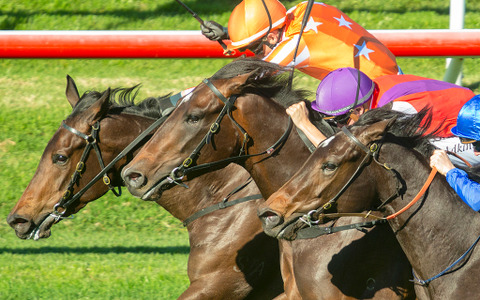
314,217
91,139
68,198
189,166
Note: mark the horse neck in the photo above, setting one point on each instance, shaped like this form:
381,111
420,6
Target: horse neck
204,190
435,225
265,125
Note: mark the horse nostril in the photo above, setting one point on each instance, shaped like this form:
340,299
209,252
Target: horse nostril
134,179
18,223
270,219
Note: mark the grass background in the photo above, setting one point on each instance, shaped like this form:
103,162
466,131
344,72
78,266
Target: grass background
123,248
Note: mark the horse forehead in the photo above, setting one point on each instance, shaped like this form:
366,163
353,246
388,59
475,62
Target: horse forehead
204,98
336,145
325,143
63,138
187,97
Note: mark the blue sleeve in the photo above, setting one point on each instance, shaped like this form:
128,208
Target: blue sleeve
466,188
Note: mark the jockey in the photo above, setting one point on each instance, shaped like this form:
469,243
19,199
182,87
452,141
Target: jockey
347,93
468,130
329,41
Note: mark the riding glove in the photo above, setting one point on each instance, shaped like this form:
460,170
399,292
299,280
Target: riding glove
214,31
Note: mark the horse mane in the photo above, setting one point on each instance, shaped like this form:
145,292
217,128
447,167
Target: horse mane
266,79
122,100
407,130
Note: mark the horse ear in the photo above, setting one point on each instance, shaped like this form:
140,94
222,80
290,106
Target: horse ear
72,92
376,131
235,83
99,108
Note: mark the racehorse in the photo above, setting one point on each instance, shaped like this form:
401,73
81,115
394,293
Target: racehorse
235,116
227,260
380,164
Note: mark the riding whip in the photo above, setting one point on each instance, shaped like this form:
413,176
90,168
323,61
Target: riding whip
306,15
195,15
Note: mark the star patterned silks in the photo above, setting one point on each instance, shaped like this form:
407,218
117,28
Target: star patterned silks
343,22
312,25
363,50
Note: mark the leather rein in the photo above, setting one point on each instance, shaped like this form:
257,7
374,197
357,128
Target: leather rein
314,217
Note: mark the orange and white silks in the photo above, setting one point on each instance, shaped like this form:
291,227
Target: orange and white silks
330,40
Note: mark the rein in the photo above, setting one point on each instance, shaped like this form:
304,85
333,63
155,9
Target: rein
313,218
422,191
178,173
68,198
315,231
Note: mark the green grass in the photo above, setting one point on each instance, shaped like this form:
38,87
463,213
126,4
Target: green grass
94,265
123,248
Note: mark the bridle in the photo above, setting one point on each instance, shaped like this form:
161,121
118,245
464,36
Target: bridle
68,198
189,164
315,231
314,217
92,143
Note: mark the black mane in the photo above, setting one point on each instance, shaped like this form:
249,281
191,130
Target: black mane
406,129
266,79
122,100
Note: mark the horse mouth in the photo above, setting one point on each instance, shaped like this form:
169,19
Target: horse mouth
288,229
156,191
43,230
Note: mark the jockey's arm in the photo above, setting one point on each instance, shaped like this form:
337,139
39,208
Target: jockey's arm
299,114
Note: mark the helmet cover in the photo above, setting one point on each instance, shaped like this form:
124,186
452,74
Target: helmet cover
468,120
337,93
249,21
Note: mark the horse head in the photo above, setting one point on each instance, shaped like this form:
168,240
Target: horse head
66,165
344,174
228,115
327,171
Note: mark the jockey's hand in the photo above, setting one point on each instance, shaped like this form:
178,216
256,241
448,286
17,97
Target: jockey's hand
299,114
440,160
214,31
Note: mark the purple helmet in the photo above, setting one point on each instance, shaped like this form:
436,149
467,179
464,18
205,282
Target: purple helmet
337,93
468,120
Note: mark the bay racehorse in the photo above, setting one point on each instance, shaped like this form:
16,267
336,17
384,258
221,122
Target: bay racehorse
233,260
235,116
381,164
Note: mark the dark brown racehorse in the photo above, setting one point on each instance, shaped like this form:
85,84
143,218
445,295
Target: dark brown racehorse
438,233
235,115
228,260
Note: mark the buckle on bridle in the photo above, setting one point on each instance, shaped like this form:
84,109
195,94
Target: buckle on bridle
214,127
80,166
309,218
59,215
174,178
186,163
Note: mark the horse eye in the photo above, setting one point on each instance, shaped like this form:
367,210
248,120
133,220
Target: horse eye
193,119
329,167
59,159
